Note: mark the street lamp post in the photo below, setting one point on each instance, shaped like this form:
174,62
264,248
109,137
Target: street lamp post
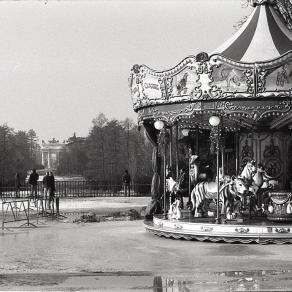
159,125
214,121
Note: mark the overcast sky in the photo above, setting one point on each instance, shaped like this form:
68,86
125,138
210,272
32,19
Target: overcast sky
63,62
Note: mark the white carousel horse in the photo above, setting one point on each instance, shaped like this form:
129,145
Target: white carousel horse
171,185
227,195
249,170
194,169
259,182
258,177
175,209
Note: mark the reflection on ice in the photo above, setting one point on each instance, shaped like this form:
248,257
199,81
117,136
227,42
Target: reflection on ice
257,280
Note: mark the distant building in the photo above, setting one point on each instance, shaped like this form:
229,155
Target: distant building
74,140
50,152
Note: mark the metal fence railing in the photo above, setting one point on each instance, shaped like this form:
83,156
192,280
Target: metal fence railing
79,189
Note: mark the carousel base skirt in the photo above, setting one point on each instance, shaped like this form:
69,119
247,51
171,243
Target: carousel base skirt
258,230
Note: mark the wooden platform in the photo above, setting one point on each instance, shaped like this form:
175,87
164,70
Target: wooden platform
258,230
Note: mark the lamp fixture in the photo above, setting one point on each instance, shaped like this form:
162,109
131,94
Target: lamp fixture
159,125
185,132
214,121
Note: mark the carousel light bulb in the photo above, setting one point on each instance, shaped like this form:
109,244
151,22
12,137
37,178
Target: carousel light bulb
159,125
214,121
185,132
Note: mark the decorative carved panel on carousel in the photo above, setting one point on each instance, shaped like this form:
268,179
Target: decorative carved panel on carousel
275,81
247,153
209,78
184,84
232,80
272,159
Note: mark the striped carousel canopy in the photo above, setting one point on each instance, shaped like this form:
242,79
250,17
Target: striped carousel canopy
263,37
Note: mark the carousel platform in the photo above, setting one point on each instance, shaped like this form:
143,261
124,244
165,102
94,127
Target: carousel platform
258,230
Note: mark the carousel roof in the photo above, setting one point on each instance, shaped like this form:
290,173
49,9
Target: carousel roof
248,80
263,37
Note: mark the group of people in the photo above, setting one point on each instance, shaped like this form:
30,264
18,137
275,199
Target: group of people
48,186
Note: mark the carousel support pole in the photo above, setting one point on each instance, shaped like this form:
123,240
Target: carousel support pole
170,147
222,163
189,166
215,122
253,146
218,181
197,140
236,151
176,150
223,153
164,175
159,125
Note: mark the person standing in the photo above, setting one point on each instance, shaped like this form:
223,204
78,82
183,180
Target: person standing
51,189
17,185
127,183
45,188
33,181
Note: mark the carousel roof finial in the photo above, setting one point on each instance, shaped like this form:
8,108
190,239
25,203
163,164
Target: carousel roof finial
255,3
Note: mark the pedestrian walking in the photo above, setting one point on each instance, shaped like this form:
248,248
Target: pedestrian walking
17,185
51,189
126,183
33,181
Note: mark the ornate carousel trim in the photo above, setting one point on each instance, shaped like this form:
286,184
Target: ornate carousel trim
204,78
228,233
236,110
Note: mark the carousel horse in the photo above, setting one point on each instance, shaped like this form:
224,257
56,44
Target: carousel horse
194,169
260,182
172,188
257,176
228,195
175,210
249,171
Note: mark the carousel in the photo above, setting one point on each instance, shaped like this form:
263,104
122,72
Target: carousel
221,129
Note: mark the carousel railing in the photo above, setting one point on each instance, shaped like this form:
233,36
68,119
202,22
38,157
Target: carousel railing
79,189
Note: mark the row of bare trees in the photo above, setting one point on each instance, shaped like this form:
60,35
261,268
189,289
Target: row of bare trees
111,147
19,152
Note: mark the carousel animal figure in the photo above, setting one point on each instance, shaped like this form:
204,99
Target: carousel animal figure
257,176
229,195
259,183
175,210
194,169
249,171
173,190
